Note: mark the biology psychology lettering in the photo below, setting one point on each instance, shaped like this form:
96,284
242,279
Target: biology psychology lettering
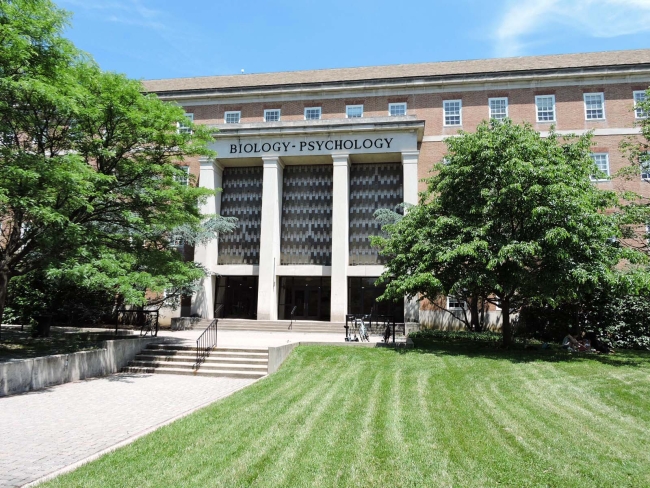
277,147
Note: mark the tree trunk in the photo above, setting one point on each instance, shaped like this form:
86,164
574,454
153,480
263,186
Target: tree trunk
473,311
506,328
4,283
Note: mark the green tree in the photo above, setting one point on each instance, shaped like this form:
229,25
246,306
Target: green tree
634,211
510,216
90,184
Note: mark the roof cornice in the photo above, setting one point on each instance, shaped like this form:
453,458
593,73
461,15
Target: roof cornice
405,83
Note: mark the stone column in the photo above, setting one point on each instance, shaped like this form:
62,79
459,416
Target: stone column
340,236
211,177
267,298
410,177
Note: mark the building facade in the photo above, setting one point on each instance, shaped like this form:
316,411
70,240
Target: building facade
305,158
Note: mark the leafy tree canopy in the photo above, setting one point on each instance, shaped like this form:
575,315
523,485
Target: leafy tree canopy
510,216
90,183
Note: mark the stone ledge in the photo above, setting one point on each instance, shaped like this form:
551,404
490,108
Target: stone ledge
37,373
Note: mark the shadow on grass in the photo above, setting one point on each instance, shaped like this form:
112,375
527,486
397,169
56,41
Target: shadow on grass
520,354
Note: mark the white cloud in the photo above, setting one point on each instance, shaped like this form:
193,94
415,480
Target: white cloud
129,12
527,23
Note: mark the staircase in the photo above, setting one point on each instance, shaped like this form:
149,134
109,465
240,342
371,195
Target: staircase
297,326
222,362
275,326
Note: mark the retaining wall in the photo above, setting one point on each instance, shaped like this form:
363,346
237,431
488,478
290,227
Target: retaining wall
37,373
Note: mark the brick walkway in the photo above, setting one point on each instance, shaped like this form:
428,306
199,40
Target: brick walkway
47,430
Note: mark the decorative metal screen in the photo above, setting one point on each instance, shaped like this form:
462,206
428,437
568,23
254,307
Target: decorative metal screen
372,186
307,215
241,198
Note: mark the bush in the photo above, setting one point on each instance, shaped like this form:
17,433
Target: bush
618,319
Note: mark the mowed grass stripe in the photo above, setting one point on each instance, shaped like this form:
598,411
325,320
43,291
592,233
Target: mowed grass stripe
336,437
346,416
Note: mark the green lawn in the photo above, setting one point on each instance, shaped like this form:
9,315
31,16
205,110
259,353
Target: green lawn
451,415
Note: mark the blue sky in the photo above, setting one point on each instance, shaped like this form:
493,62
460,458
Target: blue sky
166,39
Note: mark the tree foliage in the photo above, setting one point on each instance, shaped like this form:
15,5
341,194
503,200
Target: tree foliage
511,217
90,184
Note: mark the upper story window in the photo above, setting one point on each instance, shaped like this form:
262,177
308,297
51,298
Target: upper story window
640,96
498,108
354,111
184,178
396,109
545,105
272,115
454,303
452,109
644,160
312,113
185,129
594,106
232,117
601,160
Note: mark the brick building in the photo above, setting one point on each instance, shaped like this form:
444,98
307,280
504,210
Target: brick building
306,157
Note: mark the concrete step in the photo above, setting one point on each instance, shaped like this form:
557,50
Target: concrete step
209,359
223,373
273,325
203,367
178,349
232,362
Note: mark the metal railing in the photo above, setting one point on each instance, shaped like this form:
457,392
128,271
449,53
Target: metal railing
387,321
207,340
293,312
145,320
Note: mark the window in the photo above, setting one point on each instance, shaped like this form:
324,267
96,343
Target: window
354,111
640,96
396,109
601,160
454,303
452,109
232,117
183,179
186,129
594,106
498,108
312,113
545,108
644,160
176,242
272,115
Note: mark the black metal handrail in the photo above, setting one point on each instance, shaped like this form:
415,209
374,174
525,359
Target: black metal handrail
387,320
206,342
293,312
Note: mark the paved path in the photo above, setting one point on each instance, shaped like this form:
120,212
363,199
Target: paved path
47,430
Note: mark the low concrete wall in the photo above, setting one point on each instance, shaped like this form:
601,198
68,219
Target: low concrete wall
34,374
278,354
437,319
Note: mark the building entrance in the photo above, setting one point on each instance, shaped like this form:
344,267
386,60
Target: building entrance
310,296
238,295
362,299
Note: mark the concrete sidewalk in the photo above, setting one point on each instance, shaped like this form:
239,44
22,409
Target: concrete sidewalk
48,430
241,338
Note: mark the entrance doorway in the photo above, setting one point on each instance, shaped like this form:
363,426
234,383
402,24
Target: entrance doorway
238,295
362,299
310,296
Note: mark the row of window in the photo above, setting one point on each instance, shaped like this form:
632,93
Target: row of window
313,113
594,107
